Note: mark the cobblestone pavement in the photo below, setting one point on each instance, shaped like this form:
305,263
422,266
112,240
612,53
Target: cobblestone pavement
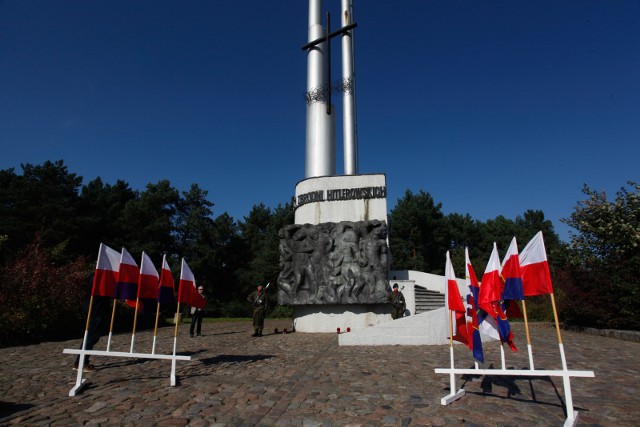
308,380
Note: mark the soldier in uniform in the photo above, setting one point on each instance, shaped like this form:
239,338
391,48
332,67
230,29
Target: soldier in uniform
258,299
398,305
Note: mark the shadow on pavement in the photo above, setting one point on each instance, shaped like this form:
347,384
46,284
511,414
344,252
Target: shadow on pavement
235,358
9,408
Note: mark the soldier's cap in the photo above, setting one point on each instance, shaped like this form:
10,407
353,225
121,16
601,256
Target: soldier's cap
395,286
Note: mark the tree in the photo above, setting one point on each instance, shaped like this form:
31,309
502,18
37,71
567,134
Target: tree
100,214
605,259
418,234
40,298
43,200
227,259
260,234
192,234
148,220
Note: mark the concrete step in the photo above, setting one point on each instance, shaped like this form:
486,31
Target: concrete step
427,300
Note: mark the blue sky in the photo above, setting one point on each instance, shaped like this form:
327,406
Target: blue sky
492,107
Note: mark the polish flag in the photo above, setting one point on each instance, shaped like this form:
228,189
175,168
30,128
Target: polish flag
127,286
536,278
188,293
148,281
166,293
106,275
511,274
454,303
491,284
454,300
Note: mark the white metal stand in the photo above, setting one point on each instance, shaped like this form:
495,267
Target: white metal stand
572,416
80,382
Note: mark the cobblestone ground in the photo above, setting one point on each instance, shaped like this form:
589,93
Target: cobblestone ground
308,380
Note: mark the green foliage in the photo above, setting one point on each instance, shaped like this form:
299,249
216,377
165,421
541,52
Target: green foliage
40,299
602,277
418,234
51,226
42,200
260,232
281,312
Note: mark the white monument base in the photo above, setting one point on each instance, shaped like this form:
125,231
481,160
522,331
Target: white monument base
428,328
328,318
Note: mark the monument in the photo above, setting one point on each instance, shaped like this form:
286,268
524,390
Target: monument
334,259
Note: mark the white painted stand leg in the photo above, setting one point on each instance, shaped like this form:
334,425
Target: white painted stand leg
454,395
80,382
173,363
571,421
572,416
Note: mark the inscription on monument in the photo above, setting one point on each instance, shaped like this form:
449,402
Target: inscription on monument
333,263
341,194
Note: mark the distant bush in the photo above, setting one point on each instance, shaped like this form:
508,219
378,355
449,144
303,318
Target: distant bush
40,300
281,312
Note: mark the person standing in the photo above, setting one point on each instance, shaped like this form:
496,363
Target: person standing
398,304
258,299
196,316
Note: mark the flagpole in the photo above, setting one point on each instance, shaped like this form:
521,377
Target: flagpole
155,329
86,334
454,394
452,377
135,320
113,314
571,414
175,342
526,328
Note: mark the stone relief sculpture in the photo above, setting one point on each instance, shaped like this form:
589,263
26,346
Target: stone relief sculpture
333,263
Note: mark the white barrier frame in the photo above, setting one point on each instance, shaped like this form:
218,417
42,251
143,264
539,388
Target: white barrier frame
80,382
572,415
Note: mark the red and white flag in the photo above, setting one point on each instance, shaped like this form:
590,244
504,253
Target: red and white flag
491,285
188,293
511,273
148,280
127,286
454,303
486,324
166,293
106,275
536,278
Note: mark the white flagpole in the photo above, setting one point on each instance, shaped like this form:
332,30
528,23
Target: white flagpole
454,393
135,319
526,327
175,343
113,313
79,380
155,329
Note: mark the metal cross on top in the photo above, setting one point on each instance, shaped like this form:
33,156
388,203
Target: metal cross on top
327,54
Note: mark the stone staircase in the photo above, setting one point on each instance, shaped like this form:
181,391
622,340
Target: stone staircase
427,300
